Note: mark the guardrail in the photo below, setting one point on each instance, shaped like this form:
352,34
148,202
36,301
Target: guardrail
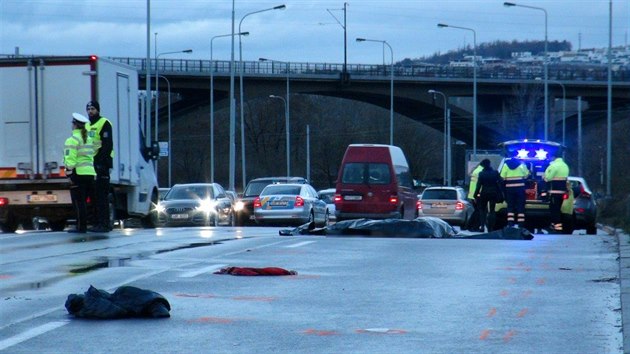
508,71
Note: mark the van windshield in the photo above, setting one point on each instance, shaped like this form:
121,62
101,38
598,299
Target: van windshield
366,173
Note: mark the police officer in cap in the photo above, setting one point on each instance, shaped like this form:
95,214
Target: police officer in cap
78,158
100,130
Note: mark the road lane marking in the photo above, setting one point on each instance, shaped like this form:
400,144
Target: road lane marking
194,273
31,333
299,244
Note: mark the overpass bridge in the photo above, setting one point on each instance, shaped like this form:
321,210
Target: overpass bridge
498,87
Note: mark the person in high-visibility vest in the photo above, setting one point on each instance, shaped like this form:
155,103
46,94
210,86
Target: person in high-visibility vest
487,193
475,223
100,130
78,158
556,176
514,174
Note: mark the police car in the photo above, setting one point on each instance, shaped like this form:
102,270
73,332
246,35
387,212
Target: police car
536,155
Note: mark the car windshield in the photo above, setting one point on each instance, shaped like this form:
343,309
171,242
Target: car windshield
281,189
366,173
440,194
327,198
255,187
190,192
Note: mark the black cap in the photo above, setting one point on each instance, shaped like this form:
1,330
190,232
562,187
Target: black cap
94,104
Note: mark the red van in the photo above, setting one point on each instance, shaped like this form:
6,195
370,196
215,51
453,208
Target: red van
374,182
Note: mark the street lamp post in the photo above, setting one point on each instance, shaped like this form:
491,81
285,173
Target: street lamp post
286,123
447,137
546,71
170,148
212,102
240,60
288,103
157,88
442,25
391,87
345,38
564,107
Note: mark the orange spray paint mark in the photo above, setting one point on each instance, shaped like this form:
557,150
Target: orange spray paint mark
254,298
504,293
540,281
522,313
317,332
492,312
212,320
484,334
509,335
5,276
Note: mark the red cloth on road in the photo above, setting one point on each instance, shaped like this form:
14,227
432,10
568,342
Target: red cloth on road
255,271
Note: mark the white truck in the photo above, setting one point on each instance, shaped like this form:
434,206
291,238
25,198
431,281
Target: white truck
37,98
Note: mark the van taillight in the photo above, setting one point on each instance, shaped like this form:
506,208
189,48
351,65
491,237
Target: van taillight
337,198
4,201
299,201
393,199
257,202
459,206
419,204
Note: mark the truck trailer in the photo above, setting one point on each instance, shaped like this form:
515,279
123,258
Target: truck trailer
37,98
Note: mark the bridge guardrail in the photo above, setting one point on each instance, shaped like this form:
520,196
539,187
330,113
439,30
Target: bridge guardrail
506,71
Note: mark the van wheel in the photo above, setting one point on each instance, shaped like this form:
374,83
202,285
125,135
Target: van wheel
402,213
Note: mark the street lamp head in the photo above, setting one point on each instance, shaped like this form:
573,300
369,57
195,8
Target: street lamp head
432,92
360,39
187,51
280,7
442,25
243,34
509,4
273,96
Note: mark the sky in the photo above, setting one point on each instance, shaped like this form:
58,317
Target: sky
305,31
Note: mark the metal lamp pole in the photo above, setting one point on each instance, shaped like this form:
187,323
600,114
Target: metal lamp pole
242,112
391,87
286,118
447,137
170,148
511,4
345,37
157,88
212,102
442,25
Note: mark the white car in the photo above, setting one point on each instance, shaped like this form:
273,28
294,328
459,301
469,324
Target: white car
328,196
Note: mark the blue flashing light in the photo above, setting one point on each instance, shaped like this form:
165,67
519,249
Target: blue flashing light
522,154
541,154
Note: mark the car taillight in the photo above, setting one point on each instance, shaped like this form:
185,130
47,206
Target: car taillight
299,201
580,210
565,196
459,206
4,201
337,198
419,204
393,199
257,202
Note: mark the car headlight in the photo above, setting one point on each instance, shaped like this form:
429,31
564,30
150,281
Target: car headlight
160,208
207,206
238,206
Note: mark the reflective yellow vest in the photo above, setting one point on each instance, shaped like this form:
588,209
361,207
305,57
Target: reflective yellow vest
514,177
78,157
474,177
556,175
94,132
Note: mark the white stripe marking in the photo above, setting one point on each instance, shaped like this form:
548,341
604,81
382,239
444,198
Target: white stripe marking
194,273
299,244
31,333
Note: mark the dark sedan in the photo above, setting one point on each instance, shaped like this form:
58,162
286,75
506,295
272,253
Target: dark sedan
197,204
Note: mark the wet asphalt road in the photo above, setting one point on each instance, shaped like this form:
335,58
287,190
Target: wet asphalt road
556,293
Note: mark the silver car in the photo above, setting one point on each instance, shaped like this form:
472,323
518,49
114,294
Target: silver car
447,203
195,204
290,204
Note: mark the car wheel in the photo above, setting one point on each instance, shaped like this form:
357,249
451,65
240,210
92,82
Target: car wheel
326,218
311,217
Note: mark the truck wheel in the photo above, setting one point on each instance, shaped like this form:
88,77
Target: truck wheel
9,226
150,220
57,225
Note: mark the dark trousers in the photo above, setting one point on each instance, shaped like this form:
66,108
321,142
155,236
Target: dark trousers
79,189
100,198
515,199
486,204
555,204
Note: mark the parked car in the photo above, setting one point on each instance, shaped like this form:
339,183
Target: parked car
584,206
374,182
290,203
195,204
244,207
328,196
447,203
